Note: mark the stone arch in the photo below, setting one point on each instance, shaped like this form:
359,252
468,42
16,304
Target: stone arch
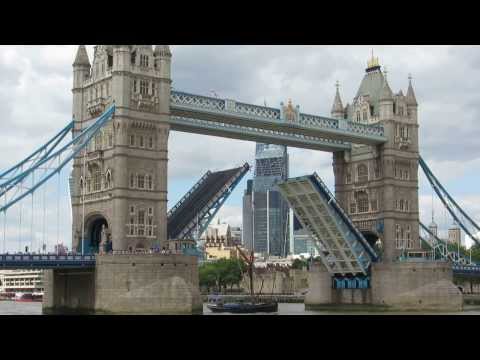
93,227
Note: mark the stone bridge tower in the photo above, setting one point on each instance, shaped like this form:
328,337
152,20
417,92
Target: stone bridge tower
378,185
119,187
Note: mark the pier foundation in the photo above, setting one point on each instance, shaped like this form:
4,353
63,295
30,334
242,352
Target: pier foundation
126,284
398,286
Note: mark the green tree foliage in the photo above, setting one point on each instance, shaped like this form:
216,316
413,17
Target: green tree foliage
220,274
299,264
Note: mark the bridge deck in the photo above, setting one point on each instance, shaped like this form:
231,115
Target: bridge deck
50,261
342,247
229,118
182,219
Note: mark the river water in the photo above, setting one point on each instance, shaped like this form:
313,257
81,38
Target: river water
18,308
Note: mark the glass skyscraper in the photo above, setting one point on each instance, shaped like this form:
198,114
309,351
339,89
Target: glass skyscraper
264,209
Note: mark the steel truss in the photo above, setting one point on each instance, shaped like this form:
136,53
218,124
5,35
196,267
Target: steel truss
205,215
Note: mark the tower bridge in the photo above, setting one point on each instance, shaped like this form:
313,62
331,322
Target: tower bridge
123,111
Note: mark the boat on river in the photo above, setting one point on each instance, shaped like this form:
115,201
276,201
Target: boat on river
217,303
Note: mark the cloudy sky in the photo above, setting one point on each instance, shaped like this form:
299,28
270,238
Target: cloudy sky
35,102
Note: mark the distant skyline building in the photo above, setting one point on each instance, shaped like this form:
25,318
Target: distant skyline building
455,234
264,209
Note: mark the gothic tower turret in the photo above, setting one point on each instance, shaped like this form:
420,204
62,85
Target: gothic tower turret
386,101
124,183
378,186
338,112
81,71
412,105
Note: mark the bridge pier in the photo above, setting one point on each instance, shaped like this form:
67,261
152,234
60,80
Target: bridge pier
395,286
126,284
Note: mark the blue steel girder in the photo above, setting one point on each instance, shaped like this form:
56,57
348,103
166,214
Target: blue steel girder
31,161
206,215
258,117
51,164
460,216
257,134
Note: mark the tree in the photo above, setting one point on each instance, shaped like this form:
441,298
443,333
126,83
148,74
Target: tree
221,273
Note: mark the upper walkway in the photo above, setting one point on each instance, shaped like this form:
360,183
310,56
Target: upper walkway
232,119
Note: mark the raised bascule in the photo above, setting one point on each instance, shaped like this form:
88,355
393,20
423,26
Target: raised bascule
368,233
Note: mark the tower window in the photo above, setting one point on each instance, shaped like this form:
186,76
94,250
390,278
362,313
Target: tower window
362,200
110,61
353,208
143,87
149,182
362,173
134,86
140,141
132,181
365,115
96,179
141,181
132,140
133,57
150,142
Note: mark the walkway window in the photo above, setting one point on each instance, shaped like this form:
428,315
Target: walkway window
362,173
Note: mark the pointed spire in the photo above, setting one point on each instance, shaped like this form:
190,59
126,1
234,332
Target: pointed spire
337,102
162,50
411,99
82,57
386,93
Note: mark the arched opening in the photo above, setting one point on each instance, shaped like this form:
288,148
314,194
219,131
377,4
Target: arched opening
372,238
93,234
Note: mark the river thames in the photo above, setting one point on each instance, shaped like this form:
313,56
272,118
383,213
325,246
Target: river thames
35,308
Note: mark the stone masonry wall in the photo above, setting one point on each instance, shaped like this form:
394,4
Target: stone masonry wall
147,284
